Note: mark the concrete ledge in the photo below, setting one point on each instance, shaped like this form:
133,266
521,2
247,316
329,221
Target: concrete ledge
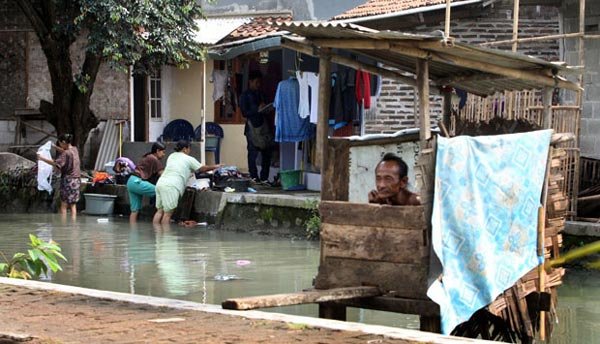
412,336
580,228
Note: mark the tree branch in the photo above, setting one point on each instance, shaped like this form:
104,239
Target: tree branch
35,18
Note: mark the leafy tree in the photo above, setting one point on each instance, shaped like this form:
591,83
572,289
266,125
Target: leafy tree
141,33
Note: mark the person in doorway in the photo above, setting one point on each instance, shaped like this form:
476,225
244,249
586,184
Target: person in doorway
391,178
251,101
171,184
68,163
143,179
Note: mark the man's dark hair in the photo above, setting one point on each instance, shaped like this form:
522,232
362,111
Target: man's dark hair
181,144
402,167
254,74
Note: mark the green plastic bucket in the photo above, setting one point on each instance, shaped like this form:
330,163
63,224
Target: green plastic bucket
290,179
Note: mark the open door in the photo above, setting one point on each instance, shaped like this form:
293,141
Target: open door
140,107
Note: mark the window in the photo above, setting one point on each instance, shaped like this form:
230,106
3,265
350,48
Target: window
155,96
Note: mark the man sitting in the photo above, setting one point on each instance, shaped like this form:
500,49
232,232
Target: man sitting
391,180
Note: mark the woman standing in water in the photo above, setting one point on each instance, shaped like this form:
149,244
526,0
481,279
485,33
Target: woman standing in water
171,185
68,164
143,179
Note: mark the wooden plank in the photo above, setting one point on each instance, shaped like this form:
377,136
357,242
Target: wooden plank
405,280
304,297
335,179
396,304
374,243
375,215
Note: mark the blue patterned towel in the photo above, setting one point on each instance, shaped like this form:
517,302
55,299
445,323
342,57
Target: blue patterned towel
484,221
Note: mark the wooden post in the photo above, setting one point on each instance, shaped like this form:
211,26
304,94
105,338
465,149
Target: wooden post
430,324
324,97
541,270
447,108
423,86
547,104
515,34
447,23
581,63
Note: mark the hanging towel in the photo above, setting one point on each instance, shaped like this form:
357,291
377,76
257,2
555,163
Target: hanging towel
44,176
289,127
484,221
363,88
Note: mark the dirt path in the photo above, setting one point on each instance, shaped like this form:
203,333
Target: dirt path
55,317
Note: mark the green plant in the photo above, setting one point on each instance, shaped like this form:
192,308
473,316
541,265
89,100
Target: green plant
39,258
313,224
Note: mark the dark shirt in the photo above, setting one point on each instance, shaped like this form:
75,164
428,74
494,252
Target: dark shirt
68,163
148,168
249,103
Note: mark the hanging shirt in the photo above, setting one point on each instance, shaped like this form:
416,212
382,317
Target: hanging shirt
220,82
363,88
304,95
289,127
313,84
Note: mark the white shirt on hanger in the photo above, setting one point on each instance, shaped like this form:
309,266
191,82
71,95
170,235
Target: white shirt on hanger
303,106
313,83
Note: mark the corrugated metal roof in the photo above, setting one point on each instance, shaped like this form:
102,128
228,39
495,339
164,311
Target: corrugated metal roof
212,30
109,147
444,59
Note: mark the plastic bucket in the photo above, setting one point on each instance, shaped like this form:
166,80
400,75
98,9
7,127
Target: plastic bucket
290,179
98,204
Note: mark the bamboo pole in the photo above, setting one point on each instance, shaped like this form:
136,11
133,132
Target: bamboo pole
547,104
423,86
534,39
515,34
324,95
447,22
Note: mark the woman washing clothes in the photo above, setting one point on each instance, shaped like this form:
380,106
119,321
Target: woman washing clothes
171,185
68,163
143,179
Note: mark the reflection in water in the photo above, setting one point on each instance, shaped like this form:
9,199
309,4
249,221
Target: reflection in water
207,266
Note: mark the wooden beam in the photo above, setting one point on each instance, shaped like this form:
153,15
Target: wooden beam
533,39
405,217
547,104
519,74
447,21
423,87
348,62
446,111
324,98
386,303
368,44
300,298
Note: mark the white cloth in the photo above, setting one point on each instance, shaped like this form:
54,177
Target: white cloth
303,104
44,176
313,84
220,82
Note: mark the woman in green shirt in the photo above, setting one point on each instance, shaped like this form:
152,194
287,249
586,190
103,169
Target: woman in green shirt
171,184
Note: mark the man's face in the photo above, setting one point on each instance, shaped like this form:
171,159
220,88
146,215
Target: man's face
254,84
387,179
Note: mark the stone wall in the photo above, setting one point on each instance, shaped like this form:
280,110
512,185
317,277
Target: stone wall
395,107
590,118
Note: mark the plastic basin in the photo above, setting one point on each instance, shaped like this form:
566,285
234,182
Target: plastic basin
99,204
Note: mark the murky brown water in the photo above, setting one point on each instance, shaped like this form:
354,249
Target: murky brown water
208,266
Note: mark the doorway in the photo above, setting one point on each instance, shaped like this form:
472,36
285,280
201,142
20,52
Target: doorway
140,105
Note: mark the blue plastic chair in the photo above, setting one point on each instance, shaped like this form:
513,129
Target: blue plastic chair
177,129
214,135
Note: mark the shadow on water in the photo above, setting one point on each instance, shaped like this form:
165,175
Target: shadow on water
209,266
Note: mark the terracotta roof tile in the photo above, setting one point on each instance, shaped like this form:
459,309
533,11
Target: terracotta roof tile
375,7
259,26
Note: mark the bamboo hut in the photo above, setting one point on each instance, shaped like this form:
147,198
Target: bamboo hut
379,257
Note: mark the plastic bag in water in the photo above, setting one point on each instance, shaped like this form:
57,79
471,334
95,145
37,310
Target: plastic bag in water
44,177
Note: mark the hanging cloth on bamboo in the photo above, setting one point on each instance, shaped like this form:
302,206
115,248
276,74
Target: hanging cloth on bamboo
484,220
289,127
363,89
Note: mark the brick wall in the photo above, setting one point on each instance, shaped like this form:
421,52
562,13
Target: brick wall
395,108
589,137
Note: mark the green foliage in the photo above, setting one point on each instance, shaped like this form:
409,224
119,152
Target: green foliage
145,34
313,224
267,215
41,256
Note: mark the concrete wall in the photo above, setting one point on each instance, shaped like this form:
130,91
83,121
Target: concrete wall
395,108
590,118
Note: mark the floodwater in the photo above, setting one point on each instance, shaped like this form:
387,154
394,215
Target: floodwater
209,266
